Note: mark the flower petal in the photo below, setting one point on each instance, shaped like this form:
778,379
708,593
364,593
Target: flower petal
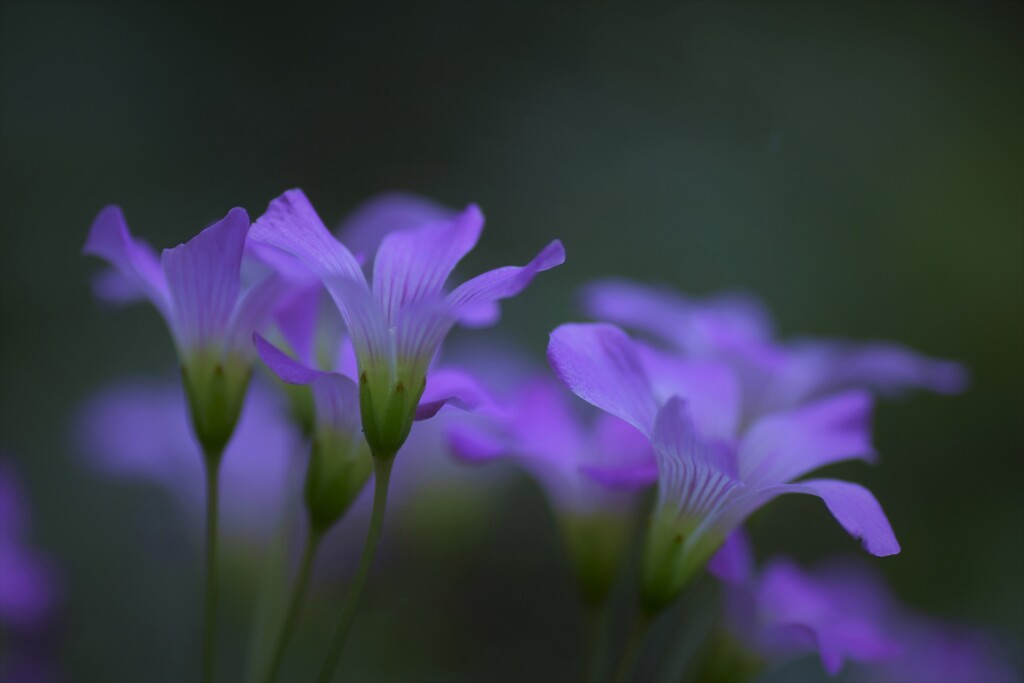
292,224
651,310
783,446
710,388
413,265
377,217
734,561
203,277
450,386
701,327
694,477
799,610
373,341
616,443
283,365
853,506
821,367
506,282
474,443
296,320
336,398
601,364
253,312
479,314
137,263
418,332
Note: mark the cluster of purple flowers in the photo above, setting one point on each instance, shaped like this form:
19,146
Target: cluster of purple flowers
698,400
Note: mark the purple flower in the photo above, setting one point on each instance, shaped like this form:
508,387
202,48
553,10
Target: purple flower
197,288
140,430
785,612
397,321
340,461
29,593
590,472
774,376
844,612
28,587
710,478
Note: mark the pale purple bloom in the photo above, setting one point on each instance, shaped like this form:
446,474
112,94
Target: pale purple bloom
340,463
197,288
710,477
28,585
330,368
398,318
845,613
590,470
140,430
584,467
29,593
783,612
774,375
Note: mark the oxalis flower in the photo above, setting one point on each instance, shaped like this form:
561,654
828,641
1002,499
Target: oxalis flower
197,288
774,375
782,612
710,479
591,471
340,458
844,613
398,318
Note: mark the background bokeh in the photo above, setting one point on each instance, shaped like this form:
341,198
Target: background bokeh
858,166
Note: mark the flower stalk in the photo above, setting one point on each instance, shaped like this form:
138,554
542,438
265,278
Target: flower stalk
295,604
382,476
634,645
212,463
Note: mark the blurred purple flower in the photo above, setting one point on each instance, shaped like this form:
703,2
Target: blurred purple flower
140,430
28,585
785,612
711,478
583,468
29,593
773,375
197,288
590,472
844,612
397,324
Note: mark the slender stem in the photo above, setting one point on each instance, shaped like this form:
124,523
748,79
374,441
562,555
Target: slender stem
634,644
593,652
295,606
212,462
382,475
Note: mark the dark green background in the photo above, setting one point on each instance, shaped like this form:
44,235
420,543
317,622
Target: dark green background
859,166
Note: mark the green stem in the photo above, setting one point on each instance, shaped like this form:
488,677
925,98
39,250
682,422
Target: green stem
212,462
593,652
634,644
382,475
295,606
